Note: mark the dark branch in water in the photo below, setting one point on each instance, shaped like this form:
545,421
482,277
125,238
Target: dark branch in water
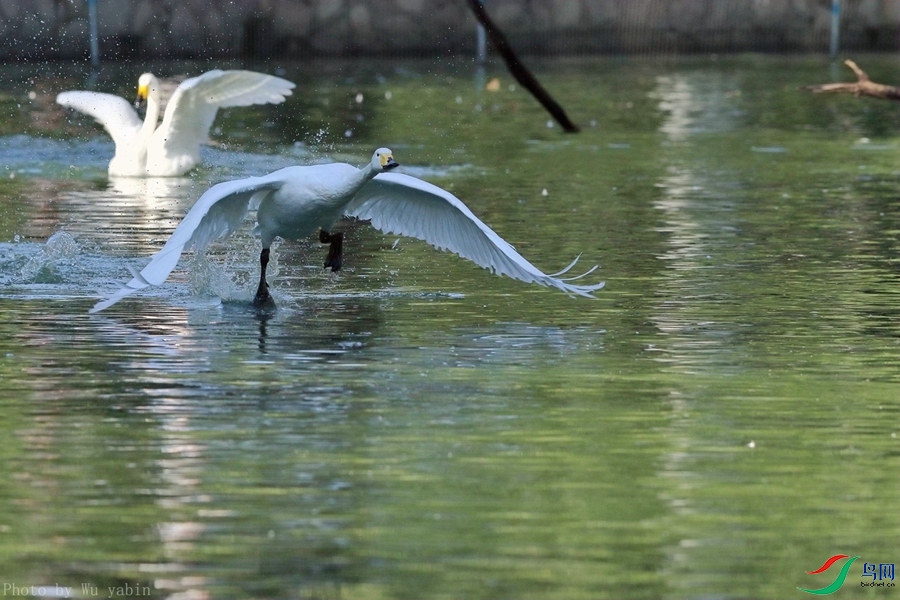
863,86
518,70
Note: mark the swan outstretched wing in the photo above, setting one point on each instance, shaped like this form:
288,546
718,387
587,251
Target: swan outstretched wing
217,213
192,108
405,205
117,116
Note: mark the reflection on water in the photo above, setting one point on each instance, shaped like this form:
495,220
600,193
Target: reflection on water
698,225
415,427
152,191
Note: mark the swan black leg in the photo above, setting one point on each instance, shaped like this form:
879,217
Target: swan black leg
335,258
263,299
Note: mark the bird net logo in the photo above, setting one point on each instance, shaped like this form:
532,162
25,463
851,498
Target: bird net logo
873,574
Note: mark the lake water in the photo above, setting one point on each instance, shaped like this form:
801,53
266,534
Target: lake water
718,422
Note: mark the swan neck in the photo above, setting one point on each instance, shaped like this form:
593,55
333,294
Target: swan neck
151,118
364,176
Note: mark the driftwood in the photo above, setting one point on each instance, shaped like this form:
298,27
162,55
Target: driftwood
862,87
518,70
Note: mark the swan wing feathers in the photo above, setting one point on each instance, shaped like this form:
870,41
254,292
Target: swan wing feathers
116,115
217,213
237,88
405,205
192,108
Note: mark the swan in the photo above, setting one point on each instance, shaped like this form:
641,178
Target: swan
173,148
295,202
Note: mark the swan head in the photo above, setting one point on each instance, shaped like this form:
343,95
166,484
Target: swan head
383,160
147,85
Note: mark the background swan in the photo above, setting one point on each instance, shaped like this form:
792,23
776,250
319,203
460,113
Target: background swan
296,201
172,148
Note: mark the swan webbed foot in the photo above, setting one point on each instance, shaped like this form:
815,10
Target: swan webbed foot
335,257
263,300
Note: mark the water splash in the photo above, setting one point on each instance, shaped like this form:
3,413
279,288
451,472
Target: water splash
60,248
211,279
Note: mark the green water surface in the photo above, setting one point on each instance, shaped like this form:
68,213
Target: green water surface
718,422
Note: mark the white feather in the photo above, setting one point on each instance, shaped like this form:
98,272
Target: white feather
405,205
294,202
115,114
173,148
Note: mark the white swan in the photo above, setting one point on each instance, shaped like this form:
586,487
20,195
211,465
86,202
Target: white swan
296,201
173,148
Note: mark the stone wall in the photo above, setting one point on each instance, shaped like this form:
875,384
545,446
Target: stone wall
215,28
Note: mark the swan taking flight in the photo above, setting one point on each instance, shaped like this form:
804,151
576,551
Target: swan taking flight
297,201
173,148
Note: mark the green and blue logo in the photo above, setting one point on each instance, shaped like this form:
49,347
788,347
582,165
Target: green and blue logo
882,576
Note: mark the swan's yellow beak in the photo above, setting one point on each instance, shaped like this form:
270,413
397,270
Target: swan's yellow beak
388,162
142,93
